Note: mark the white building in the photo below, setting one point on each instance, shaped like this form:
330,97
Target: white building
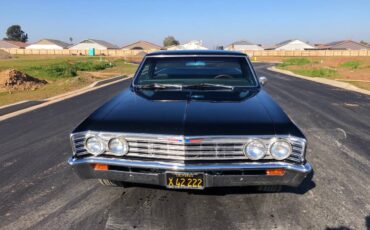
292,45
48,44
93,43
243,45
192,45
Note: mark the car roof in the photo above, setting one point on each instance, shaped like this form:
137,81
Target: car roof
195,52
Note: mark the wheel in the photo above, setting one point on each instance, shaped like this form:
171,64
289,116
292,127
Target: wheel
113,183
270,188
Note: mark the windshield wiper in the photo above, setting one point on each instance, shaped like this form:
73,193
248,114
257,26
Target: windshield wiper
208,86
159,86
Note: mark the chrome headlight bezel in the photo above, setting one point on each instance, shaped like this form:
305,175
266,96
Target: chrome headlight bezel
124,143
101,143
287,144
249,155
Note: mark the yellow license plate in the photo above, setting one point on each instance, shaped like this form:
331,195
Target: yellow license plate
185,180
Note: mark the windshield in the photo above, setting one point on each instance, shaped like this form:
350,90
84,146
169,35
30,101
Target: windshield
186,71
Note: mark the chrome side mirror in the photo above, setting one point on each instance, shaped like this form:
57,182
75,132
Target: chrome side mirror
262,80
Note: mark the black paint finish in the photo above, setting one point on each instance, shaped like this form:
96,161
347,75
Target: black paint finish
242,111
192,113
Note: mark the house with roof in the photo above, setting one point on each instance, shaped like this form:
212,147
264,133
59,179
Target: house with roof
7,44
50,44
93,43
141,45
293,44
192,45
343,45
243,45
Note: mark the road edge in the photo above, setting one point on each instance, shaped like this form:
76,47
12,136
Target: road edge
338,84
29,105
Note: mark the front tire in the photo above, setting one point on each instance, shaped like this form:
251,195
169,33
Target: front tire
112,183
269,188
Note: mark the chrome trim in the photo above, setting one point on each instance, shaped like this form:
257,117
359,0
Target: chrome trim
177,147
306,168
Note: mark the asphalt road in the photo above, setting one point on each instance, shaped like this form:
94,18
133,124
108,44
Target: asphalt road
39,191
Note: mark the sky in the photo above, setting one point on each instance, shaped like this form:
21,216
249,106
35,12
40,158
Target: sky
214,22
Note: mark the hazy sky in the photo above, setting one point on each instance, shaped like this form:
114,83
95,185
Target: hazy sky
215,22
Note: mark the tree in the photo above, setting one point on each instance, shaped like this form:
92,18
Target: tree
70,40
364,43
170,41
15,33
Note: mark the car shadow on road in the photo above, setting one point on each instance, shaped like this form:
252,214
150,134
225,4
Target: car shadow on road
367,223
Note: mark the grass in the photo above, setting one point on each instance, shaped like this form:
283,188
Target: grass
354,70
63,73
49,90
351,64
362,85
322,72
294,61
55,67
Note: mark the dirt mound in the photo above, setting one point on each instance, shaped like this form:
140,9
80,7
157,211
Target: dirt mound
12,79
4,55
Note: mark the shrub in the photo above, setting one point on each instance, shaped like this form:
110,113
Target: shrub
295,61
91,66
55,70
351,64
61,70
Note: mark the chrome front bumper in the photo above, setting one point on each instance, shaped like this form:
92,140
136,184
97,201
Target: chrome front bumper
215,174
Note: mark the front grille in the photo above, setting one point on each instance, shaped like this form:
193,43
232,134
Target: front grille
188,149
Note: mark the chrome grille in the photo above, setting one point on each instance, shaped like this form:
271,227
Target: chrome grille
78,143
195,148
185,151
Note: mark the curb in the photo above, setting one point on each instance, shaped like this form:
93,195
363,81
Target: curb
18,108
338,84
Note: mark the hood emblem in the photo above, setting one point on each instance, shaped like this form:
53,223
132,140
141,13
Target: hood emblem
184,140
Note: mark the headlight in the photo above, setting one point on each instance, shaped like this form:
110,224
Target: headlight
118,146
255,150
280,150
94,145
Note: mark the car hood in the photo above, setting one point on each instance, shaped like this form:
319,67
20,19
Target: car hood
191,113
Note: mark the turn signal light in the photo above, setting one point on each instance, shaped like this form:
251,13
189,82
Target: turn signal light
100,167
275,172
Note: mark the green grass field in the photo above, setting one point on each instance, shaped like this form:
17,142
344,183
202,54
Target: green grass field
353,70
63,73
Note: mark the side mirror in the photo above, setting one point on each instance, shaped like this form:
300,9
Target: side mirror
262,80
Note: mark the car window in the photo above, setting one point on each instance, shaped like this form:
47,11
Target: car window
233,71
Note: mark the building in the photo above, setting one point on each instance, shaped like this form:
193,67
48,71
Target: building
192,45
142,45
343,45
50,44
6,44
294,44
243,45
93,43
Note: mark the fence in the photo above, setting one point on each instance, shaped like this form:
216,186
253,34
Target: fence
258,53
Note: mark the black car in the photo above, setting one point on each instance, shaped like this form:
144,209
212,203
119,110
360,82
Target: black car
191,120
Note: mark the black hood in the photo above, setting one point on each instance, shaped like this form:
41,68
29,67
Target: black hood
191,113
